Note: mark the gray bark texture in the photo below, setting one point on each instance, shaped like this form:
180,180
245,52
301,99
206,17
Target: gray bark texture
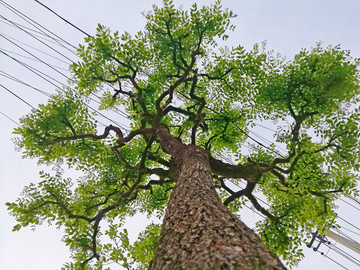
198,231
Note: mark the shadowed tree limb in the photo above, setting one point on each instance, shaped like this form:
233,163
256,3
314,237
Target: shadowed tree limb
250,171
247,190
261,209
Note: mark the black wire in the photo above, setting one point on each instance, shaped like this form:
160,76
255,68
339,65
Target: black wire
342,227
265,127
10,118
32,69
31,58
36,71
23,16
322,253
345,254
349,204
6,75
7,89
354,199
119,112
33,36
35,33
65,62
63,18
259,143
348,223
45,63
266,140
23,26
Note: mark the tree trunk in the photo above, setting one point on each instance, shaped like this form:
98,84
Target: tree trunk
198,231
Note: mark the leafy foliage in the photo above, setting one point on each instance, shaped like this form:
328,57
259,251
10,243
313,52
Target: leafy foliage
176,73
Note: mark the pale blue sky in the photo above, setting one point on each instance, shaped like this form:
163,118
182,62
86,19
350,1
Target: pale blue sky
287,26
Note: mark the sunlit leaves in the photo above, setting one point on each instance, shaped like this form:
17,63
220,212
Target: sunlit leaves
316,81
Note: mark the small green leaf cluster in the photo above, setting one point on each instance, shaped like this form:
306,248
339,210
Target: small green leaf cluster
137,255
319,80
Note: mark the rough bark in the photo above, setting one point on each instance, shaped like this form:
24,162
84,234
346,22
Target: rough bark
198,231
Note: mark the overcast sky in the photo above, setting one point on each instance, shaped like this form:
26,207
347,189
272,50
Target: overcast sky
286,26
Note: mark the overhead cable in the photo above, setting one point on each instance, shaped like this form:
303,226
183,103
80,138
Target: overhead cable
18,97
63,18
26,18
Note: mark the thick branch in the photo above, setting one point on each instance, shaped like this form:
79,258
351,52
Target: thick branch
217,77
261,209
159,160
224,186
247,190
179,110
169,143
250,171
280,177
149,185
92,136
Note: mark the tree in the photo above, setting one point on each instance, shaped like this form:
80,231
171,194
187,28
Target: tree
191,102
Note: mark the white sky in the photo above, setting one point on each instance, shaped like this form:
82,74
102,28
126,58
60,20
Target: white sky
287,26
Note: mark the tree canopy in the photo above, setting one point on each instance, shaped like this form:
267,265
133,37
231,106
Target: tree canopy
176,73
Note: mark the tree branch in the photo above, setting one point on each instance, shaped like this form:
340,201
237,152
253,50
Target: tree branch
261,209
250,171
217,77
247,190
92,136
149,185
172,87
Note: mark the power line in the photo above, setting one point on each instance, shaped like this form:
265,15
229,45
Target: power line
345,254
30,58
23,26
350,204
6,75
7,89
342,227
26,18
326,256
42,42
36,71
51,66
35,33
354,199
43,62
32,69
259,143
65,62
348,223
265,127
63,18
10,118
265,140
